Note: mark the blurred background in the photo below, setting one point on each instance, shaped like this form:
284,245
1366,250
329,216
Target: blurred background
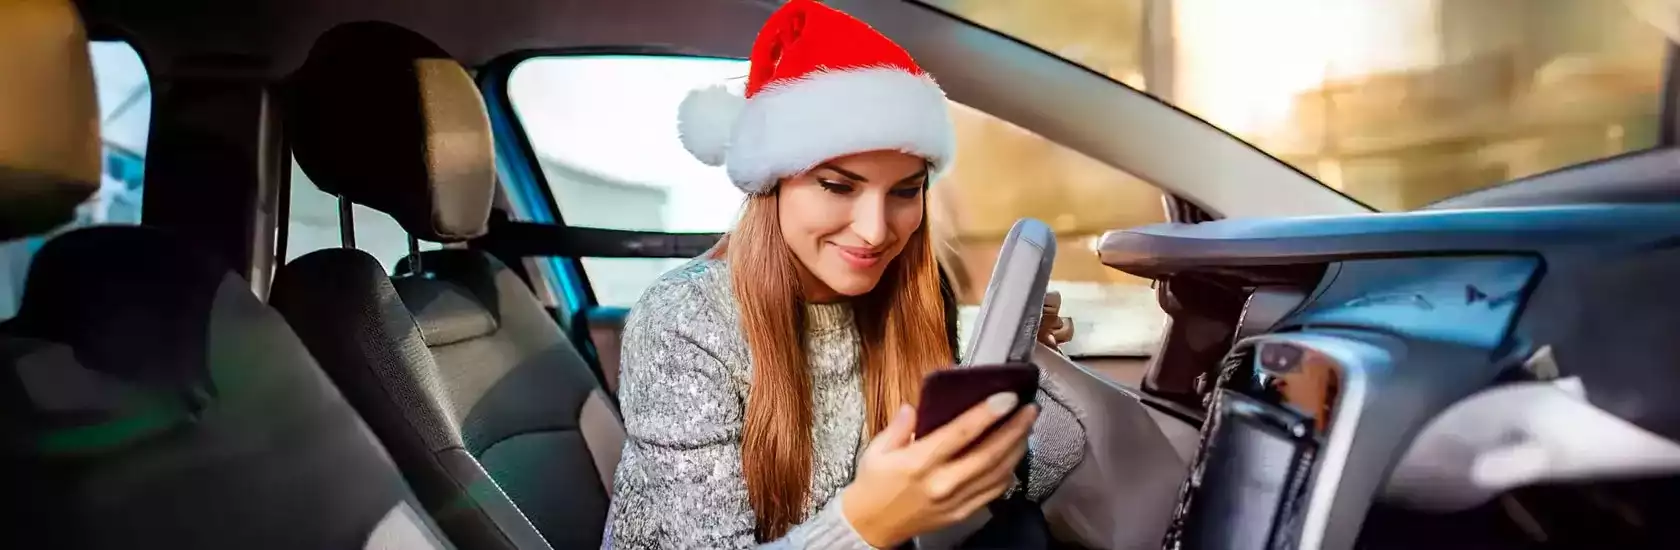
1396,103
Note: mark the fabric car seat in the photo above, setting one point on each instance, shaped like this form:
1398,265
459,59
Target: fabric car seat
147,398
458,367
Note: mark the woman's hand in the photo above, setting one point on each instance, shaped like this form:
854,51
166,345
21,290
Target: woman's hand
904,488
1053,330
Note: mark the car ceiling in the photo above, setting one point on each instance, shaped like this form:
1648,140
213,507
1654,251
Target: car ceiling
275,35
265,39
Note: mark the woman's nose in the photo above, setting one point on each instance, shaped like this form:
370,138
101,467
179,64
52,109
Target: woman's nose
869,220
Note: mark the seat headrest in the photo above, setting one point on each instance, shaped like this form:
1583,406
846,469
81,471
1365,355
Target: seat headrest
385,118
97,351
49,117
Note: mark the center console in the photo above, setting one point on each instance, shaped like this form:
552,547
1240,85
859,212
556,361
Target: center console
1303,429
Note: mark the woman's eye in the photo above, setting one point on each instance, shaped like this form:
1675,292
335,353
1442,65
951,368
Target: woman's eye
908,192
835,187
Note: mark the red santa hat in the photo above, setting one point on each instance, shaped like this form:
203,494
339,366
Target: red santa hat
821,85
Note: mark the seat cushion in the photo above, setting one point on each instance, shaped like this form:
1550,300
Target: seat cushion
521,393
351,317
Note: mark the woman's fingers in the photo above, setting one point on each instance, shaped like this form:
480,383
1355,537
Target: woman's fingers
992,484
897,434
1053,329
1063,331
1047,331
1008,438
996,455
945,442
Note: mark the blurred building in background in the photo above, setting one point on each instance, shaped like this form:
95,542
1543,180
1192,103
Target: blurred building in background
1496,90
1397,103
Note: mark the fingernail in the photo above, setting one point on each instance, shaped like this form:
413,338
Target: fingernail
1001,403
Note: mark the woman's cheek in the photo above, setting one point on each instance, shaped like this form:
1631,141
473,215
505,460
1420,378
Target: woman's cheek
811,212
907,216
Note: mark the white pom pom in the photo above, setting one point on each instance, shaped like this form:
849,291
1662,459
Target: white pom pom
705,120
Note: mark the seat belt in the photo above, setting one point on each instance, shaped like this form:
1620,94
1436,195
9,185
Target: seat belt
508,238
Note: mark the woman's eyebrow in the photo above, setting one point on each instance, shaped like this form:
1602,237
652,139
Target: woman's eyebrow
923,174
847,174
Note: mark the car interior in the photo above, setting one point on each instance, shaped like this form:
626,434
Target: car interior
315,274
137,401
472,385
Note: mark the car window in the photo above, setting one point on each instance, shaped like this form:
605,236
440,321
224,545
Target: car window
312,224
603,129
125,109
1397,103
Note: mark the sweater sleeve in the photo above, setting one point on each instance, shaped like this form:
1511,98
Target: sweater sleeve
1057,440
680,482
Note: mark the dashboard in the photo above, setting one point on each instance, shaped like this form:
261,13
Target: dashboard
1397,361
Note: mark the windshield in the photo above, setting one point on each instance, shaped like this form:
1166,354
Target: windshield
1397,103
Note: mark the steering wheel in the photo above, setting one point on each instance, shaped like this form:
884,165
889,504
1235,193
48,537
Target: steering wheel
1007,327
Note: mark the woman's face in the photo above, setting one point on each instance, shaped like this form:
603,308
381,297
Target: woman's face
848,218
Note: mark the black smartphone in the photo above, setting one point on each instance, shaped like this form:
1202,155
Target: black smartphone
947,393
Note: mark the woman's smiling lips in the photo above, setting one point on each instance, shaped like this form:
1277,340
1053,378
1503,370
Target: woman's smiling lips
858,257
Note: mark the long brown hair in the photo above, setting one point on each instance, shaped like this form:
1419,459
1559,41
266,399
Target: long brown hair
902,325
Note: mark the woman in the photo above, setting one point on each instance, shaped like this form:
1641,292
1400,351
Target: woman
753,376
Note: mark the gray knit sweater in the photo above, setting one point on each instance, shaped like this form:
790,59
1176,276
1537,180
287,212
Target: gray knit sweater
683,390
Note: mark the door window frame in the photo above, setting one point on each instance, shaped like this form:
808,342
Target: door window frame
523,183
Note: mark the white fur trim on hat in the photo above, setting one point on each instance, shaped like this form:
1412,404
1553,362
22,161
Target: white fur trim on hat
790,127
704,120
